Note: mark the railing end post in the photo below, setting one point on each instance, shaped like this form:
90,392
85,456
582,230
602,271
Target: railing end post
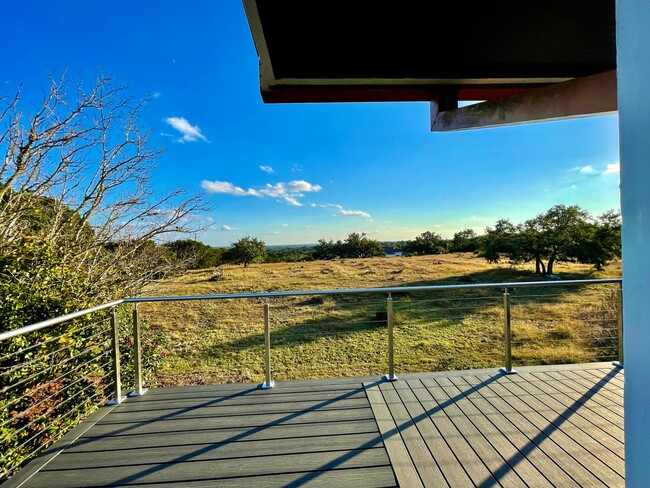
507,333
115,350
619,305
137,355
391,342
268,383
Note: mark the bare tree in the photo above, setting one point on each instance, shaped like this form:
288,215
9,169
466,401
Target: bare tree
81,158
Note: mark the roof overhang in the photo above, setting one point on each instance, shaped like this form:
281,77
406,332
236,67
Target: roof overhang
424,50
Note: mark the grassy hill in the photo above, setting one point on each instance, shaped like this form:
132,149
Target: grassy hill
344,335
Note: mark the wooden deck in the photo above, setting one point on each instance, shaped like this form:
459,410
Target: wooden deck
546,426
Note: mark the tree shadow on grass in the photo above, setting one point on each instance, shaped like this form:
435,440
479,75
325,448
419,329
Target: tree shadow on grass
347,315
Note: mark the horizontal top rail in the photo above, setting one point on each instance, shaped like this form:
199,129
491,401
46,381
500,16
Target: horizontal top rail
394,289
57,320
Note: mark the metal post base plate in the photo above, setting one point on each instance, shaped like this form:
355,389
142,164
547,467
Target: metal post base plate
268,386
116,401
618,364
508,371
138,393
388,377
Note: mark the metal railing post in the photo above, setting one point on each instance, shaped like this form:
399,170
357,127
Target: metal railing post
619,306
115,356
507,332
268,383
391,345
137,355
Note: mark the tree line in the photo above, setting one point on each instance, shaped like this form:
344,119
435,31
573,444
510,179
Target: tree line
563,233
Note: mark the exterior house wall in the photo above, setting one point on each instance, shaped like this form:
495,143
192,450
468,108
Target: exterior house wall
633,52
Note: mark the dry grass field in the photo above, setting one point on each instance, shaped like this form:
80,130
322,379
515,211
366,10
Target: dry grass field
345,335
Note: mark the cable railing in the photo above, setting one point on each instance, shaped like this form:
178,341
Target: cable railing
54,373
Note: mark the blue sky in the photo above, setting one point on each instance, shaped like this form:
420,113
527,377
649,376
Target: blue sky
296,173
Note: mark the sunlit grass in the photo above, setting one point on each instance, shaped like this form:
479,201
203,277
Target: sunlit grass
345,335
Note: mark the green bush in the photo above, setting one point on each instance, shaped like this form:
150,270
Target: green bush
52,378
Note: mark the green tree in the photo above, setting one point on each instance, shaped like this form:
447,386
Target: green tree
327,249
426,243
195,254
247,250
501,240
78,224
562,233
599,241
360,246
559,233
465,240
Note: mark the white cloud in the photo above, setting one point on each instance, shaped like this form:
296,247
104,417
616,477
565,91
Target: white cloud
587,169
287,192
266,169
348,213
313,205
612,168
156,94
285,225
355,213
227,228
191,133
225,188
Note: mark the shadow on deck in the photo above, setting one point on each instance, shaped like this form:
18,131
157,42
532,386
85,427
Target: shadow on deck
546,426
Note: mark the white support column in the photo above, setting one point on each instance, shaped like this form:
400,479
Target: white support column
633,60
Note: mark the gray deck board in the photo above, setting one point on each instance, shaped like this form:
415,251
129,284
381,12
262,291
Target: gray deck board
129,455
513,464
397,451
205,469
484,450
561,447
425,464
546,426
511,426
436,408
596,423
595,442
